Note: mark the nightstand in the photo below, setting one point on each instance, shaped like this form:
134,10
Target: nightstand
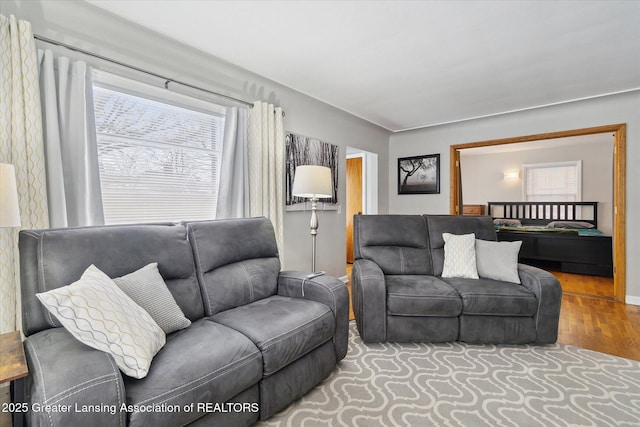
13,366
473,209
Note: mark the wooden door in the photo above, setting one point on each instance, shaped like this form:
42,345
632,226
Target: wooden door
354,199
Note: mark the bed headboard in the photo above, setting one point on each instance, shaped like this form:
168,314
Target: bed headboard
541,213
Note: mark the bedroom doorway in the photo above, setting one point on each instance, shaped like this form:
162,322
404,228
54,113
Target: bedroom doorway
619,187
362,190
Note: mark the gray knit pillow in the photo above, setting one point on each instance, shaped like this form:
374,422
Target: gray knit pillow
147,288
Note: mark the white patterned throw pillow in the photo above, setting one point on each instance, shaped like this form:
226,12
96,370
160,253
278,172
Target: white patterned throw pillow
147,288
97,313
459,256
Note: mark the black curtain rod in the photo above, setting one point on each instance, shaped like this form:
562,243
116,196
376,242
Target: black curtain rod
167,80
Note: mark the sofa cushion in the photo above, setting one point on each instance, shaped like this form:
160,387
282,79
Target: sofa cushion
99,314
206,362
237,261
61,256
283,328
459,255
399,244
481,226
413,295
494,298
147,289
498,260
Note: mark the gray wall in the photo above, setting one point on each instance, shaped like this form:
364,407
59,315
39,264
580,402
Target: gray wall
623,108
483,180
83,25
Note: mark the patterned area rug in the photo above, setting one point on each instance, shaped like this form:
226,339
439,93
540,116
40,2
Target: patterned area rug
456,384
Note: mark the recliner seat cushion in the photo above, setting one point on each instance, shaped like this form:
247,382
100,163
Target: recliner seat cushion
493,297
416,295
206,362
283,328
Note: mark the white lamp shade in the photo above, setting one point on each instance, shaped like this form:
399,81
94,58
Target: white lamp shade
9,212
312,181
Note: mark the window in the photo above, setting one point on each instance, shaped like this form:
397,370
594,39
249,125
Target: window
553,182
159,158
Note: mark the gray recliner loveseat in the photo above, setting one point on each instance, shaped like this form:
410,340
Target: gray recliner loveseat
257,340
399,293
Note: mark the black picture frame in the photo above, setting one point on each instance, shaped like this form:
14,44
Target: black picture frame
419,174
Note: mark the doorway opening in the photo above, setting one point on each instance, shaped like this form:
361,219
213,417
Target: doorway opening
362,190
619,188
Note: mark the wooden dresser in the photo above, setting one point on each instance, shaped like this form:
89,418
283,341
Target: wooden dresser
473,209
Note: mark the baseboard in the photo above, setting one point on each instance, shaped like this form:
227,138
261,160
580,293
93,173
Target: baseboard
633,300
344,279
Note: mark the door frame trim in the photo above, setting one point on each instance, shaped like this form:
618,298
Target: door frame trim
619,187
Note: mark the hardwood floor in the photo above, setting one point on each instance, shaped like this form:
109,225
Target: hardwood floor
590,318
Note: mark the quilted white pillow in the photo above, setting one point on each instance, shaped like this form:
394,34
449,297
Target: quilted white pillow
459,256
97,313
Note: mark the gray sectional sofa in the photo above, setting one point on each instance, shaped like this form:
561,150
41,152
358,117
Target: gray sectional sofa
257,340
399,293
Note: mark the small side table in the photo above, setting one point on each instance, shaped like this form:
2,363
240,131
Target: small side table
13,365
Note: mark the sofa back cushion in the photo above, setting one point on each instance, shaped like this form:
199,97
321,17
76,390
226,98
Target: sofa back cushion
481,226
236,260
399,244
53,258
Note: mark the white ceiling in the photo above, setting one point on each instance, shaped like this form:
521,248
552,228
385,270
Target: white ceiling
411,64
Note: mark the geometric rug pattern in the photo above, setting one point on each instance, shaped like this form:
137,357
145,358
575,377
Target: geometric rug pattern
458,384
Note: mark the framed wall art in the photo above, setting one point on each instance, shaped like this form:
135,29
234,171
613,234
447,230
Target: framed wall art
302,150
419,174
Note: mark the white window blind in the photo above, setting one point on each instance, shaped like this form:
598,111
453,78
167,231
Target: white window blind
159,160
553,182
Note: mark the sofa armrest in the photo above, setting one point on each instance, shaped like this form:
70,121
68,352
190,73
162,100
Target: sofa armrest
369,300
327,290
548,292
66,376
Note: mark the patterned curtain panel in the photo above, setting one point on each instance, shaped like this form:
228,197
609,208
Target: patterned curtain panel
266,166
21,145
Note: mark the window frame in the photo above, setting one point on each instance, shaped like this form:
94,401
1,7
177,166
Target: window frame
567,163
128,86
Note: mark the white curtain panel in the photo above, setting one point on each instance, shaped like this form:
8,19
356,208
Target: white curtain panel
21,145
233,191
73,179
266,166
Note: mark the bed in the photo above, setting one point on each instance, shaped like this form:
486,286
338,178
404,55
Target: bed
562,236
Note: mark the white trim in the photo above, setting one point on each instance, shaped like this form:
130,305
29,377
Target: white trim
633,300
501,113
344,279
148,91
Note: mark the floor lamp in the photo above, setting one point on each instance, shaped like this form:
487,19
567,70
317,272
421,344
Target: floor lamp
313,182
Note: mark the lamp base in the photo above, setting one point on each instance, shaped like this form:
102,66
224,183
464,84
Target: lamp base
313,225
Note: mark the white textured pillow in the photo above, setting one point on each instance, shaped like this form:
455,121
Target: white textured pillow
147,288
459,256
100,315
498,260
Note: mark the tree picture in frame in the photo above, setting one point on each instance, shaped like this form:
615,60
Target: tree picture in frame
419,174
